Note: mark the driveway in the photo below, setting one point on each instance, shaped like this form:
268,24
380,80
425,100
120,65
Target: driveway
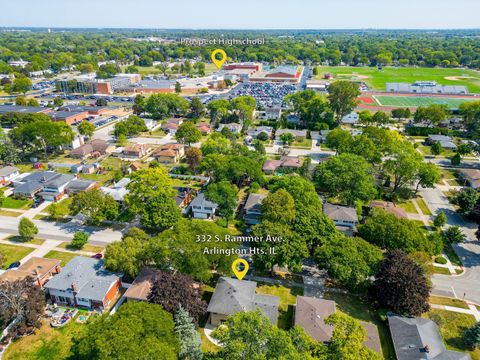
153,141
465,286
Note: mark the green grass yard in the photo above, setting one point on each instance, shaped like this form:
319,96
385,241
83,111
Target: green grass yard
45,344
64,257
10,213
288,298
423,206
19,204
12,253
448,302
417,101
376,79
408,207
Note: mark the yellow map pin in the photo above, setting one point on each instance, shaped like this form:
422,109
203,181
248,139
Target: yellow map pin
240,273
220,62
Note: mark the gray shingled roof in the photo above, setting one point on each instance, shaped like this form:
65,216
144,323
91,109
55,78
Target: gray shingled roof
202,201
411,335
232,296
340,213
310,314
89,276
7,170
254,202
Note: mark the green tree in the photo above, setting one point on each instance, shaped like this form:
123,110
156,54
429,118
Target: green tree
348,337
224,194
380,118
427,176
339,140
279,207
80,239
456,159
131,254
403,164
101,102
178,87
342,96
188,336
86,128
472,336
348,260
193,157
440,220
389,232
21,84
466,199
151,195
436,148
348,176
136,328
286,138
433,114
131,126
95,205
27,229
188,133
197,110
453,235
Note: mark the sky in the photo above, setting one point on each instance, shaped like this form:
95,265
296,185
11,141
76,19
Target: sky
243,14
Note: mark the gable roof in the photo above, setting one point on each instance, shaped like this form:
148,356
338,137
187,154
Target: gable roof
254,202
232,296
35,266
8,170
89,277
201,200
310,314
340,213
411,335
140,288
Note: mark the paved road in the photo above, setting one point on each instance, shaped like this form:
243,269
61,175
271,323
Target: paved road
468,284
62,231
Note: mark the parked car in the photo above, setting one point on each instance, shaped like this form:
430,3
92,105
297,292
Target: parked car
37,202
97,256
14,265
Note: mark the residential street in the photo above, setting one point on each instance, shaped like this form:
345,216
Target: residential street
466,285
61,231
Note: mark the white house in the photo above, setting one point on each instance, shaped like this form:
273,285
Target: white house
203,208
233,127
7,174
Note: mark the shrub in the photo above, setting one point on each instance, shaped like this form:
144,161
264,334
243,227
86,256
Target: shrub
80,239
27,229
440,260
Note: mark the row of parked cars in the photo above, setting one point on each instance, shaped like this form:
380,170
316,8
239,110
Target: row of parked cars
266,94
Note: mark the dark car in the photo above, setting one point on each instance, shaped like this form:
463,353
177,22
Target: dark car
14,265
97,256
37,203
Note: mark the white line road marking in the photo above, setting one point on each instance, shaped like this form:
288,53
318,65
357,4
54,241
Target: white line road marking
454,293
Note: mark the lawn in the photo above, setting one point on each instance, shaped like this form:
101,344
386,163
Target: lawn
207,345
440,270
46,343
288,298
423,206
305,143
452,328
63,204
11,203
376,79
9,213
360,309
448,302
452,255
417,101
87,247
408,207
64,257
19,239
12,253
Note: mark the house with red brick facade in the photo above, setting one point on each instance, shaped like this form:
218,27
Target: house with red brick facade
84,283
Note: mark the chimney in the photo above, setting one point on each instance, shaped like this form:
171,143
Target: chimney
74,288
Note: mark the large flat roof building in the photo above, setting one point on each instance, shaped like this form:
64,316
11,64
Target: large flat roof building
426,87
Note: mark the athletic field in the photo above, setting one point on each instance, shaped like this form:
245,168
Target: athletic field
417,101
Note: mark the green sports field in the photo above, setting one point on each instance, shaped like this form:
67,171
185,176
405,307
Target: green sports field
376,79
417,101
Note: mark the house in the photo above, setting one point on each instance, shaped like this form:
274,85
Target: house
419,338
310,314
69,117
169,153
139,290
117,191
472,176
93,148
204,128
85,283
135,151
51,183
254,132
344,217
79,185
55,188
285,164
171,126
253,209
390,208
184,196
270,113
135,166
7,174
445,141
89,169
233,127
351,119
203,208
232,296
39,269
298,135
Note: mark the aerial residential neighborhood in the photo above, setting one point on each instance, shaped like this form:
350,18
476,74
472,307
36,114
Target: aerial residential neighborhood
173,186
